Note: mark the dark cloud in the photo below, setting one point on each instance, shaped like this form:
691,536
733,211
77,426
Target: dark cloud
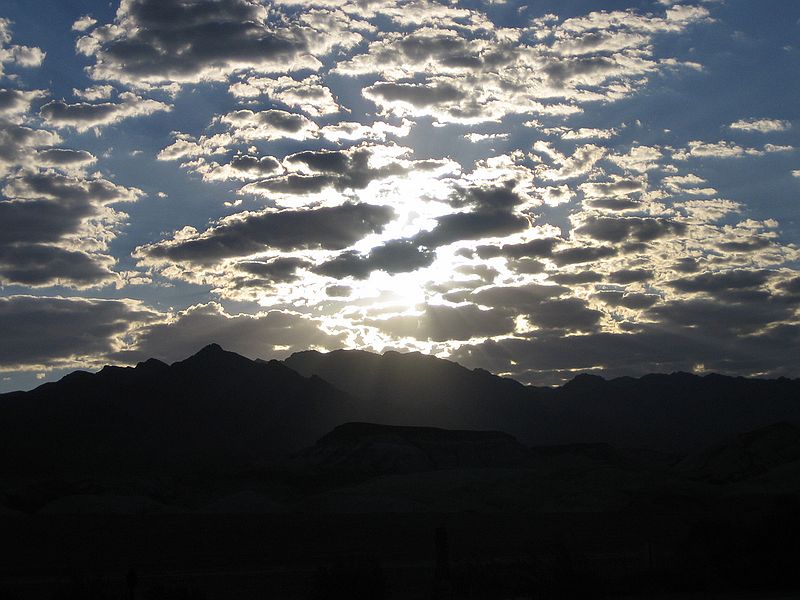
538,248
579,278
17,143
45,332
442,323
271,120
497,197
626,276
471,226
686,265
83,115
416,94
618,204
521,298
267,335
40,265
570,314
291,184
756,243
544,356
631,300
790,285
331,228
338,291
16,102
715,283
341,170
258,273
640,229
398,256
64,157
163,40
44,222
578,255
541,304
716,317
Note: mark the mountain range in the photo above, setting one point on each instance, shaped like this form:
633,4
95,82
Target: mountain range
217,410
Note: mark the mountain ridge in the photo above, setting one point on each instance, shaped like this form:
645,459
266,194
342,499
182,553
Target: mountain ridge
218,409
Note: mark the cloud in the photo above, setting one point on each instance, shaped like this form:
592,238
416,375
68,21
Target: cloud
353,169
717,284
627,276
153,42
40,265
580,163
264,273
240,166
95,92
620,229
64,158
265,335
397,256
724,149
58,332
57,228
630,300
542,305
272,124
471,226
83,115
761,125
442,323
639,159
14,54
83,23
582,254
17,102
307,95
246,234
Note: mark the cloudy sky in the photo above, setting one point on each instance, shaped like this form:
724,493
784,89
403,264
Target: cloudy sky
536,188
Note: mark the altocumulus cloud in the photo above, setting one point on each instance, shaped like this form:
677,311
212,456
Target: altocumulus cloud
485,181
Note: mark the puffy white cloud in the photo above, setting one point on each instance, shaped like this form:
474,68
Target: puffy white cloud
248,125
95,92
308,95
14,54
725,149
83,23
761,125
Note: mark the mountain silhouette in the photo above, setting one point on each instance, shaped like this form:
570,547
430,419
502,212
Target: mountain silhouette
219,410
678,411
213,410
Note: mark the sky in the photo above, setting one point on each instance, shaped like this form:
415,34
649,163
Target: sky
539,189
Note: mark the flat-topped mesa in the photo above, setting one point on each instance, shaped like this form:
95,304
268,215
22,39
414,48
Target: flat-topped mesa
391,449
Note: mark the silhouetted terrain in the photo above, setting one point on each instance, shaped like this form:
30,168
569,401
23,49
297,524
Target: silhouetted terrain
680,411
213,410
332,471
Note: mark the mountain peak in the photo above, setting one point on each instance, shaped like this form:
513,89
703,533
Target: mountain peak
211,349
